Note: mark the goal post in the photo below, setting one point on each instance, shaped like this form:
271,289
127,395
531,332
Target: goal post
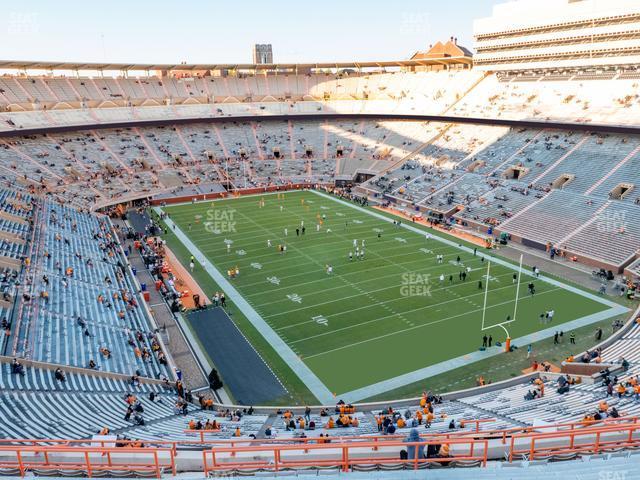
515,307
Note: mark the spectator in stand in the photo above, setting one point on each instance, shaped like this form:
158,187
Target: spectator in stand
16,367
59,375
414,450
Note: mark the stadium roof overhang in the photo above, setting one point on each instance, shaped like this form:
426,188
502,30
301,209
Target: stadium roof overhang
48,65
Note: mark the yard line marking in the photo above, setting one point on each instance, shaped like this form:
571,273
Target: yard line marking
371,305
324,278
311,380
443,241
374,320
341,278
494,259
335,233
406,329
463,360
270,292
344,264
354,286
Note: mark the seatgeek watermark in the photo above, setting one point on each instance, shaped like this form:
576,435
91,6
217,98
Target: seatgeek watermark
611,222
220,220
414,23
612,475
415,285
22,23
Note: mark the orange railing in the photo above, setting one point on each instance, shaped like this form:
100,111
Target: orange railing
87,460
508,433
205,436
591,439
208,438
336,455
93,455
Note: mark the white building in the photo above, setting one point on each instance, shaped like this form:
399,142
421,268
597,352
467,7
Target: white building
559,35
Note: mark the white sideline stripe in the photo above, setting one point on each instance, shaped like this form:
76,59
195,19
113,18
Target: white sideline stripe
312,382
442,367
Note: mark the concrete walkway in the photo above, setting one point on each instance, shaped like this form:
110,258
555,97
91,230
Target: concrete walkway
577,273
180,352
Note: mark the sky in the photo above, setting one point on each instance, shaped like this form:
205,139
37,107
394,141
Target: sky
222,31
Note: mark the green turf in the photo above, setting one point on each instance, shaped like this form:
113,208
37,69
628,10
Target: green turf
386,315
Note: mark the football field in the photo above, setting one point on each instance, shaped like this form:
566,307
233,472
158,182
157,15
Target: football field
391,316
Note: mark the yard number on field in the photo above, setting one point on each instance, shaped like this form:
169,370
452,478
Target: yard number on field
294,297
320,320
